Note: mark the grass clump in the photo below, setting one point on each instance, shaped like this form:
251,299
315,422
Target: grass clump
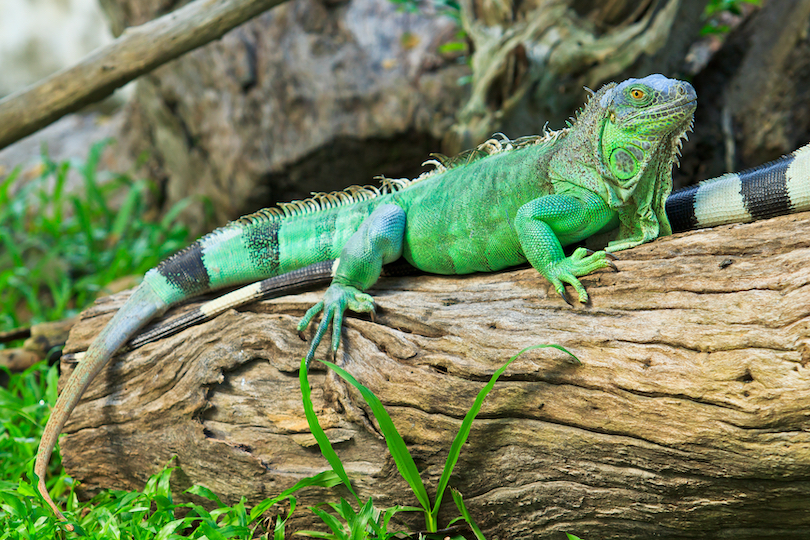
59,249
373,523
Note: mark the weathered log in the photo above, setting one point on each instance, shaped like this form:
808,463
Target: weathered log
139,50
688,417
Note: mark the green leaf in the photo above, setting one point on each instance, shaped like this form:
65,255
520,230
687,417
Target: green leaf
453,47
325,479
17,506
359,525
466,424
278,530
5,185
126,212
317,534
457,498
331,521
315,427
344,510
396,446
204,492
167,531
174,212
389,513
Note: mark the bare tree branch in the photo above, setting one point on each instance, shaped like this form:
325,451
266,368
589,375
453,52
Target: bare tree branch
138,50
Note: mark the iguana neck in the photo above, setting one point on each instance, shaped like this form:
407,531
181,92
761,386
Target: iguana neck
581,159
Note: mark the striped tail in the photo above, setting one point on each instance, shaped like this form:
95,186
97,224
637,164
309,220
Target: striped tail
142,306
241,252
776,188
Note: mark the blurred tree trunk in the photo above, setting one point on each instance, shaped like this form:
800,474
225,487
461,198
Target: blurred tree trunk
531,59
754,94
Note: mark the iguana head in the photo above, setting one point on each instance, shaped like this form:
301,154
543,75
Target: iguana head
644,121
623,145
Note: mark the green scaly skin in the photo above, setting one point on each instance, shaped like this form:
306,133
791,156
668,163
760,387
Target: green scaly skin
498,206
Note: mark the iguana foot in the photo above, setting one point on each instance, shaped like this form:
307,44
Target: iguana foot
608,255
580,263
337,299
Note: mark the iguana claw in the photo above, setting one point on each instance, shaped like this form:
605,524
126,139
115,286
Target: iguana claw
566,271
565,297
608,255
337,299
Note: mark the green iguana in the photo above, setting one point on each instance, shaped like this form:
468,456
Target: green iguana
500,205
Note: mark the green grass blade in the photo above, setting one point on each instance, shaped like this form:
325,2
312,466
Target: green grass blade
127,212
93,193
57,195
459,500
281,523
205,493
325,479
389,513
5,185
360,522
315,427
10,245
174,212
344,510
331,521
399,451
317,534
466,424
82,214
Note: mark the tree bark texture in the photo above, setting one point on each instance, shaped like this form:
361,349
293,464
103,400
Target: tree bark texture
137,51
688,417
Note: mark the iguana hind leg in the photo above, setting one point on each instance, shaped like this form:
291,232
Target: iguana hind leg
378,241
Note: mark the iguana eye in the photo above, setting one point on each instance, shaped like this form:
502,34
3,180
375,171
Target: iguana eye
637,93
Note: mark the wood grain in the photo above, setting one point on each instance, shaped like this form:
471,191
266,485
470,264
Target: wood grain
688,417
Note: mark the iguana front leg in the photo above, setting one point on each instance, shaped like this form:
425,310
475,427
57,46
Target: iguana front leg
544,225
378,241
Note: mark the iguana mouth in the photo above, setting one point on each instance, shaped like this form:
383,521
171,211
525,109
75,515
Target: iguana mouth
669,109
672,107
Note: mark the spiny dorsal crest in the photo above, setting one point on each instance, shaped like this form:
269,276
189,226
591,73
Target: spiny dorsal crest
321,201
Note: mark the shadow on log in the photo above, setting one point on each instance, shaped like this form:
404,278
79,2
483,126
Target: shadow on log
688,417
